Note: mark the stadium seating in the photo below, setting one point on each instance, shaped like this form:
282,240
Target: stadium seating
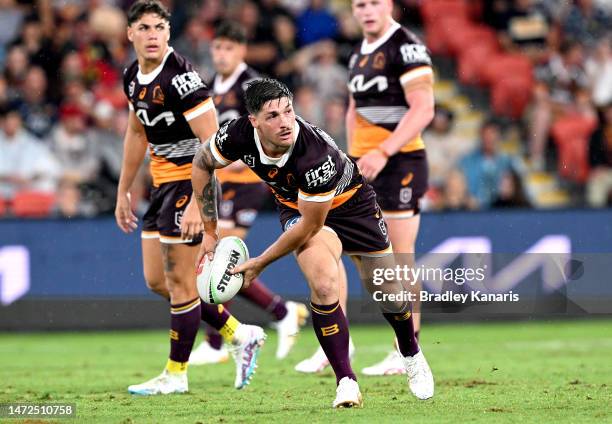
472,60
571,134
3,206
433,10
33,204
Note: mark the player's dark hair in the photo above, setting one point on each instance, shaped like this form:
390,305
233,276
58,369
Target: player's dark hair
143,7
232,31
261,91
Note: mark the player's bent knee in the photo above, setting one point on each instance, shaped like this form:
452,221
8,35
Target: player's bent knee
157,286
325,289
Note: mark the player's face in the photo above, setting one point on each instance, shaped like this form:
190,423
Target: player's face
150,35
372,15
226,55
275,122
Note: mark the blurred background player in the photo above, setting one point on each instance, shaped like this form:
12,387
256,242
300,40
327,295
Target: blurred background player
325,208
391,103
170,112
243,195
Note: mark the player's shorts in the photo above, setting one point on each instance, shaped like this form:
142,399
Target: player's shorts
240,203
163,218
358,223
401,184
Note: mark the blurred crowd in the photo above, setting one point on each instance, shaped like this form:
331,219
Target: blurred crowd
63,112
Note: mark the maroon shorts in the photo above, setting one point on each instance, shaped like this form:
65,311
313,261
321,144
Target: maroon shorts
358,223
401,184
240,203
163,218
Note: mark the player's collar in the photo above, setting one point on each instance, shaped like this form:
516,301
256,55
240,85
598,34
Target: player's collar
282,160
144,79
368,48
222,87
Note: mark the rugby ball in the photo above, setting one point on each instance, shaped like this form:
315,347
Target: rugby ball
215,283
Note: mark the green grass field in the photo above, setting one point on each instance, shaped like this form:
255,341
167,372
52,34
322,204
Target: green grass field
512,372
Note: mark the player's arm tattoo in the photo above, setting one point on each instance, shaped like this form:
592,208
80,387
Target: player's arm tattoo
205,183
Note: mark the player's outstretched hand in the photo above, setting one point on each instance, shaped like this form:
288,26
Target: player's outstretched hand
126,220
251,269
371,164
191,223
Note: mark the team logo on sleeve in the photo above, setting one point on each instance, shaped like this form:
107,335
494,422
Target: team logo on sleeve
321,174
187,83
414,53
131,88
249,160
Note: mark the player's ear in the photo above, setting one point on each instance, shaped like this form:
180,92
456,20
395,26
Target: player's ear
130,34
253,121
168,39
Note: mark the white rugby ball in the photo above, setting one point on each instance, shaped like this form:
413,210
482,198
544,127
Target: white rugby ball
215,283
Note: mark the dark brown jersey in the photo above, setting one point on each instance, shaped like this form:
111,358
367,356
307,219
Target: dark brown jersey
230,104
229,94
164,101
313,169
377,73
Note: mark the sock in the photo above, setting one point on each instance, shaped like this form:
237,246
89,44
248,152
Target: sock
259,294
331,328
184,325
404,331
214,338
218,317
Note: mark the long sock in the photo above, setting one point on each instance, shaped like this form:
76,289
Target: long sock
261,296
214,338
218,317
184,325
404,331
331,328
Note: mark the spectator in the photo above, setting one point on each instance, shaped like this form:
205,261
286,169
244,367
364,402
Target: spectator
261,52
455,195
15,70
562,86
444,147
25,164
599,186
11,17
349,35
586,22
38,115
73,146
511,193
599,71
324,61
286,48
316,23
485,167
307,105
334,115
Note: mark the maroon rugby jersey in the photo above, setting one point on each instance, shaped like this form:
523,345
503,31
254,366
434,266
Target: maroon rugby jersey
377,73
314,168
230,104
164,100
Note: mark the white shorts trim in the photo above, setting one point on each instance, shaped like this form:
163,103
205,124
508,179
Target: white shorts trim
399,215
149,235
172,240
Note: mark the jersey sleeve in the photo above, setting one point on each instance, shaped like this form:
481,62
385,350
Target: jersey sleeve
412,58
224,144
126,87
322,170
190,93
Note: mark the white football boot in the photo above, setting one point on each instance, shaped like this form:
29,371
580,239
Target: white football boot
164,384
249,339
420,378
391,365
347,394
318,362
205,354
289,327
